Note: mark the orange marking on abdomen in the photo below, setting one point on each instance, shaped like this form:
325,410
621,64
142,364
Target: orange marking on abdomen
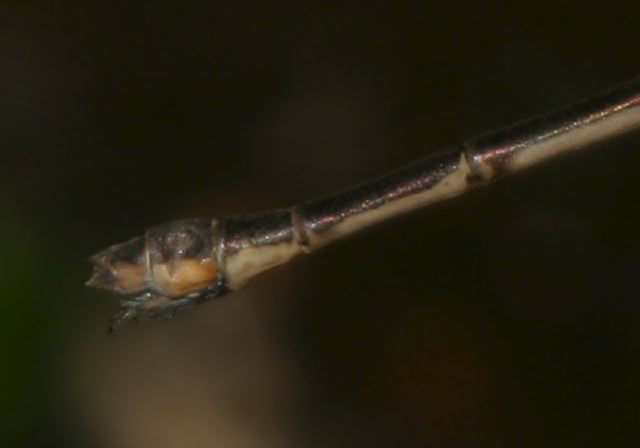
184,276
129,278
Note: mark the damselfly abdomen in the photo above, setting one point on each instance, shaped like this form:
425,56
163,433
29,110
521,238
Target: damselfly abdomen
183,263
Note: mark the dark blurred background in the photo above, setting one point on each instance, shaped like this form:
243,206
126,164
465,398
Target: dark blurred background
508,317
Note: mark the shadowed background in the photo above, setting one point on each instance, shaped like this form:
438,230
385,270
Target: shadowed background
508,317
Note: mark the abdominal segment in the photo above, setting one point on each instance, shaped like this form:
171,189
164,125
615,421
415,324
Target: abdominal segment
171,260
121,268
181,277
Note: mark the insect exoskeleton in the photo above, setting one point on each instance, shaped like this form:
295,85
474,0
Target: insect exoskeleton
172,260
121,268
